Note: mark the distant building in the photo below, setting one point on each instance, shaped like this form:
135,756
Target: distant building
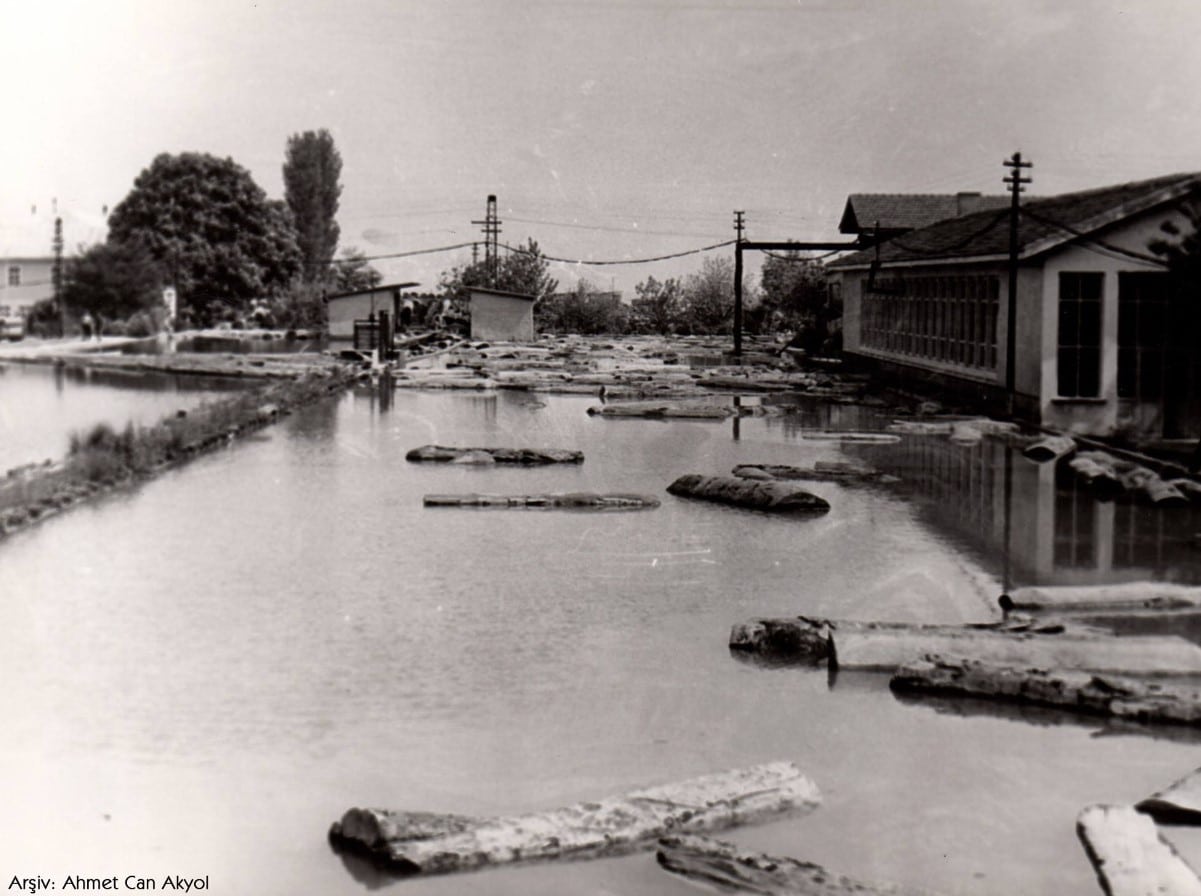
27,254
504,316
344,308
1102,344
874,217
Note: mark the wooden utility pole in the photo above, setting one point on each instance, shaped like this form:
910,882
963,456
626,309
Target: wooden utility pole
1015,181
738,227
491,240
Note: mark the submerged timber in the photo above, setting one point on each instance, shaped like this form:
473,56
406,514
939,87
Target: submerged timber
731,869
563,501
426,844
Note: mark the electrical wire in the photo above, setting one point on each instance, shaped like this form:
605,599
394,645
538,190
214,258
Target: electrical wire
622,261
943,250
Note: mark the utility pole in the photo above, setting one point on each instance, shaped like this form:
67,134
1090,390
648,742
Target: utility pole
491,240
738,228
1015,180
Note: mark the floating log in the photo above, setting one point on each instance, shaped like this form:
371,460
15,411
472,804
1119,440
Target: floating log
1090,598
522,456
1129,855
665,410
1190,488
1138,700
425,843
1050,448
560,501
774,497
1180,803
860,438
819,472
733,869
888,646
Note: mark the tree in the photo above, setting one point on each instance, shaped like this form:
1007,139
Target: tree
708,300
353,272
523,270
212,229
657,308
796,296
584,310
113,281
312,167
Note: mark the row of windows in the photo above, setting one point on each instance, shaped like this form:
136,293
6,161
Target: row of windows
14,275
948,319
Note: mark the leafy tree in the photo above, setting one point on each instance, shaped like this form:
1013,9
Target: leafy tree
658,306
353,271
523,270
584,310
213,230
312,167
796,297
708,300
113,281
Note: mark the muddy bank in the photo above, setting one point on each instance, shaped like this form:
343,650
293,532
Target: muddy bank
103,459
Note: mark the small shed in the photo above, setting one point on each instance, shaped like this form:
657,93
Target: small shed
504,316
344,308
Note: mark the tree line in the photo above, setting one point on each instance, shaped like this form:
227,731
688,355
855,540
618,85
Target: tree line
201,224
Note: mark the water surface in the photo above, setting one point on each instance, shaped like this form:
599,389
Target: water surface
204,673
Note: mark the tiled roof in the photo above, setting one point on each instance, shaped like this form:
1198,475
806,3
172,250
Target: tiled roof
908,211
1048,223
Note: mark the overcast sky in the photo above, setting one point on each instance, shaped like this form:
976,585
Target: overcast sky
608,129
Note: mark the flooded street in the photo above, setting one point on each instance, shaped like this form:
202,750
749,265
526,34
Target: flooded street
203,673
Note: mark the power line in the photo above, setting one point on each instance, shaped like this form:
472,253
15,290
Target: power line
1109,247
624,260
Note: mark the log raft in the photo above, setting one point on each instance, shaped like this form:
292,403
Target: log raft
732,869
1129,855
884,646
821,471
1140,700
522,456
424,843
753,494
557,501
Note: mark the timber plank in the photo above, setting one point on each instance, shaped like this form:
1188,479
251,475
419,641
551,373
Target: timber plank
1129,855
1179,803
1087,598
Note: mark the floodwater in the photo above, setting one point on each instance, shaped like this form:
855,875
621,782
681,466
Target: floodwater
41,406
204,673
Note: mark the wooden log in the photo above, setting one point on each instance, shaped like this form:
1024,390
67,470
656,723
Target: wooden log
859,438
1190,488
1141,700
522,456
774,497
558,501
585,830
845,474
888,646
1098,477
1090,598
733,869
1180,803
1050,448
665,410
1129,855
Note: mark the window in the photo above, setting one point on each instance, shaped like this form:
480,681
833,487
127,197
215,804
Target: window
14,275
1142,334
1079,362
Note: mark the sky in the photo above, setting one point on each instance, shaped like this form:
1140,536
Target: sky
608,129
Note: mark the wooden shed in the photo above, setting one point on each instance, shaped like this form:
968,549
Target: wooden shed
504,316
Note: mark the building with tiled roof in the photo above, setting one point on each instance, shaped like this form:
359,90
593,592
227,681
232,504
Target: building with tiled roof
876,216
1103,343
